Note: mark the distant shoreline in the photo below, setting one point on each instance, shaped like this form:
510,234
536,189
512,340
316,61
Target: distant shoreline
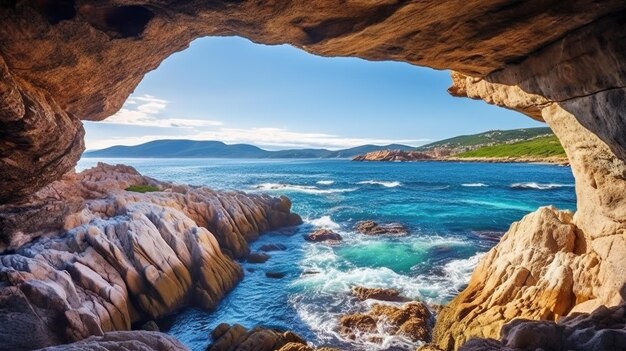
551,161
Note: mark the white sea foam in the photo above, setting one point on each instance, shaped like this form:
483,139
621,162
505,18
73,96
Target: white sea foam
324,222
458,272
380,182
539,186
474,185
326,182
307,189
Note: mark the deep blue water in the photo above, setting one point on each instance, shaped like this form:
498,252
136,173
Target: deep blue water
454,211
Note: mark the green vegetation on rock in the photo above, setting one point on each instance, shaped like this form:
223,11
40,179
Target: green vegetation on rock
143,188
487,138
546,146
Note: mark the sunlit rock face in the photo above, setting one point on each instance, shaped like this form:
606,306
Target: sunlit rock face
563,62
106,257
61,61
552,263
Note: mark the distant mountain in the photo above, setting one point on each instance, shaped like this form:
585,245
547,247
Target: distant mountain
489,138
218,149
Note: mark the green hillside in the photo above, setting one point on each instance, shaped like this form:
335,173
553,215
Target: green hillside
546,146
487,138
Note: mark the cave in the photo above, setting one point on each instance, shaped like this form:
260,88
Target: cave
562,63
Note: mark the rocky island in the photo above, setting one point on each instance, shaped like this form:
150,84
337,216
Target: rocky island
82,258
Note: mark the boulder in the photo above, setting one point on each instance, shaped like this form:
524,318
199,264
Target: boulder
373,228
362,293
412,320
321,235
256,257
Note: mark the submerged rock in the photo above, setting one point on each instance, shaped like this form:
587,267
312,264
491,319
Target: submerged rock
256,257
412,320
114,257
273,247
362,293
320,235
373,228
275,275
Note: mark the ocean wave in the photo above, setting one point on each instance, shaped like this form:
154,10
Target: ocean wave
307,189
539,186
325,182
391,184
474,185
324,222
500,205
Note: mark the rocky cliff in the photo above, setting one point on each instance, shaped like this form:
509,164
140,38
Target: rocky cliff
393,156
63,61
84,257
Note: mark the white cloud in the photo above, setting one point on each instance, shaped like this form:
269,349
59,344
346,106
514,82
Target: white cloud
147,111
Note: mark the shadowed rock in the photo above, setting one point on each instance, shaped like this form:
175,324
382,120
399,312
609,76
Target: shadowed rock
373,228
321,235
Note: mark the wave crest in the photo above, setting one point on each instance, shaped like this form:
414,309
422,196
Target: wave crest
539,186
389,184
307,189
474,185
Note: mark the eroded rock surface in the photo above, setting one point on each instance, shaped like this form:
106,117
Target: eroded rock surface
124,340
393,156
551,263
106,257
412,320
320,235
61,62
374,228
238,338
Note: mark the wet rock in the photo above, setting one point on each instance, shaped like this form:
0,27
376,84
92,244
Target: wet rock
362,293
412,320
321,235
256,257
373,228
273,247
236,337
275,275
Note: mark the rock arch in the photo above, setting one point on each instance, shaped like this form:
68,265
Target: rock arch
562,62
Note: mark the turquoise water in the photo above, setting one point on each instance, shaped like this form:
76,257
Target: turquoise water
454,212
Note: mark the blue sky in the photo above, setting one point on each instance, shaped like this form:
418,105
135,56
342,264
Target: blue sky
230,89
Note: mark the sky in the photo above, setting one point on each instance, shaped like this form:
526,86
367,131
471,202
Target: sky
232,90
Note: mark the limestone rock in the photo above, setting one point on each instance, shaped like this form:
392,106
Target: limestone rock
320,235
114,257
373,228
412,320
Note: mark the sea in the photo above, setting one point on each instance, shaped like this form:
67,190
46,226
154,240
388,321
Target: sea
454,212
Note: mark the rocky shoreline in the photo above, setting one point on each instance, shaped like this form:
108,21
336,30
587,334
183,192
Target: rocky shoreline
415,156
84,257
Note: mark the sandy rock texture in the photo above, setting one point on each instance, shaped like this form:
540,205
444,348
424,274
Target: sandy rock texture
552,263
61,62
413,321
84,256
599,331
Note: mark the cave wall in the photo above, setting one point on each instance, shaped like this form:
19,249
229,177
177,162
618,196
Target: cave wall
79,60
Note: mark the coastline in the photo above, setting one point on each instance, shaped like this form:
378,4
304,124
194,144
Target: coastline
548,160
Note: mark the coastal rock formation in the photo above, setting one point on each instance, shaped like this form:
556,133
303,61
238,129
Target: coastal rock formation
62,62
106,257
237,338
373,228
124,340
412,320
393,156
362,293
320,235
552,263
604,329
